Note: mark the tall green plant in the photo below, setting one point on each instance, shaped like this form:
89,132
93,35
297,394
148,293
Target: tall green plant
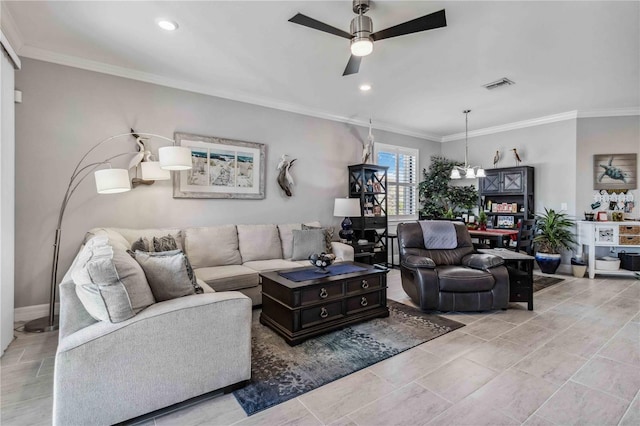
554,232
437,196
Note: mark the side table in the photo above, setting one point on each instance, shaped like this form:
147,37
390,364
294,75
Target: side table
392,237
520,268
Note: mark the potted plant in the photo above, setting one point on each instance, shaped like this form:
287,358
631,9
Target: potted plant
439,198
482,220
554,234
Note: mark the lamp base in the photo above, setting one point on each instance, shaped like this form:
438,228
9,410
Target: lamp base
346,233
41,325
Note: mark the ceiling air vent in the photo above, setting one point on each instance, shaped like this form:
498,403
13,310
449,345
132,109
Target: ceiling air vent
499,83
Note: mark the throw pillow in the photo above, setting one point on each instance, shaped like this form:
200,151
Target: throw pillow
110,284
328,236
307,242
169,274
155,244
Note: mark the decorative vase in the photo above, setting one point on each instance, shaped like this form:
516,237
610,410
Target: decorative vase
548,262
322,261
483,227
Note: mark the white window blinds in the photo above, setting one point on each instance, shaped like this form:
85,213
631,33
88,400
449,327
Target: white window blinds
402,179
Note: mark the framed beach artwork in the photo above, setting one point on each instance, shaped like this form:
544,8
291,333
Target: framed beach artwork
615,171
222,168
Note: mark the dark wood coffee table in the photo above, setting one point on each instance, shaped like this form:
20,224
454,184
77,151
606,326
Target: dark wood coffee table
300,310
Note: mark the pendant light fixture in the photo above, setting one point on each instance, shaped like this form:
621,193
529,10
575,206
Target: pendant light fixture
466,171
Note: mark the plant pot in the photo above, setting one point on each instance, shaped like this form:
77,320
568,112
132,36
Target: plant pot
548,262
579,270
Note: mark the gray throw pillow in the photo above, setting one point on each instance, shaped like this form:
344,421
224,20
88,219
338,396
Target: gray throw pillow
328,236
110,284
155,244
307,242
169,274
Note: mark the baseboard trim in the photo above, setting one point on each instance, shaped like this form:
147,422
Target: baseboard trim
28,313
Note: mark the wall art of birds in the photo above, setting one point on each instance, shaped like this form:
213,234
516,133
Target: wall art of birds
496,158
285,180
140,155
516,156
367,147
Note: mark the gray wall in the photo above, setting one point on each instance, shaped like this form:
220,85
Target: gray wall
66,110
550,148
611,135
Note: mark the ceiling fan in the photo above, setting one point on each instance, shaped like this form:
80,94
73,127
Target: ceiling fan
361,35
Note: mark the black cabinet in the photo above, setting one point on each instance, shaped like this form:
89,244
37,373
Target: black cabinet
368,182
507,195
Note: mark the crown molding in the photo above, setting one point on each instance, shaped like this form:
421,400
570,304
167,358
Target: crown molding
570,115
4,42
613,112
100,67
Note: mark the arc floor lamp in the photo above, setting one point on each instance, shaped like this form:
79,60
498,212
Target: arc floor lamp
108,181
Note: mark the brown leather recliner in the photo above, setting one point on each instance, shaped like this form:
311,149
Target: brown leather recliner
456,279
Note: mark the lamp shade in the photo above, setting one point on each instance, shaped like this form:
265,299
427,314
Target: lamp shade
470,173
347,207
481,173
112,181
455,173
151,171
175,157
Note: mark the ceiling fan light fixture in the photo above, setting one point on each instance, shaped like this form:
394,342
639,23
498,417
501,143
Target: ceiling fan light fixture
361,46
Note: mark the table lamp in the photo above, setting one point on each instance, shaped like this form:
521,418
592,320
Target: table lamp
347,207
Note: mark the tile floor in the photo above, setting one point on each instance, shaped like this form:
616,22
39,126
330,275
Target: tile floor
574,360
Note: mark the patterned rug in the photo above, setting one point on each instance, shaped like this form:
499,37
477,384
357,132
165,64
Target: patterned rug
280,372
540,282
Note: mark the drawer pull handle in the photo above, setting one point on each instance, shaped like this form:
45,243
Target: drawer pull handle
363,301
324,313
323,293
365,284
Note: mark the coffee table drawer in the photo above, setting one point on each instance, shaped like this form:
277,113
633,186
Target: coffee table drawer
363,302
320,293
313,316
362,284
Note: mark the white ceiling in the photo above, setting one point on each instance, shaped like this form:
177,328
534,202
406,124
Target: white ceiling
563,56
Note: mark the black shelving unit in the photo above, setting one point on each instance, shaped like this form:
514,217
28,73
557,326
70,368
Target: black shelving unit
508,185
368,182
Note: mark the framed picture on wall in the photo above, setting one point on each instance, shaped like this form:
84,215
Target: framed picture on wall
615,171
222,168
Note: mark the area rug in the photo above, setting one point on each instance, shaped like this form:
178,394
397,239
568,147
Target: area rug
280,372
540,282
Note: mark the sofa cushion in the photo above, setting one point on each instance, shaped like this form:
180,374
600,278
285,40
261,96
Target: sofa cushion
328,236
460,279
272,265
109,283
307,242
226,278
259,242
169,274
212,246
286,237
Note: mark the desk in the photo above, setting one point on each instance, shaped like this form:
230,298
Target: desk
496,236
520,267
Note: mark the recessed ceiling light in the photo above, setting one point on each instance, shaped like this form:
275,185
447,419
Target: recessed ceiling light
167,25
365,87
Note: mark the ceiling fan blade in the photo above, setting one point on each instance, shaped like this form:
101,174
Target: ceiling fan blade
353,66
427,22
304,20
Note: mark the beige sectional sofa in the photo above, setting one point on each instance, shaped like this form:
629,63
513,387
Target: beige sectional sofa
175,349
230,257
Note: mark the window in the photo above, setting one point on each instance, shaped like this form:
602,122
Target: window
402,180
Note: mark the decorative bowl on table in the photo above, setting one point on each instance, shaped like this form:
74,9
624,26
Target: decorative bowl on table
322,261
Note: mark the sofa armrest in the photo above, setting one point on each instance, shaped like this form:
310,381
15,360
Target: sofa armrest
344,252
171,351
413,261
481,261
